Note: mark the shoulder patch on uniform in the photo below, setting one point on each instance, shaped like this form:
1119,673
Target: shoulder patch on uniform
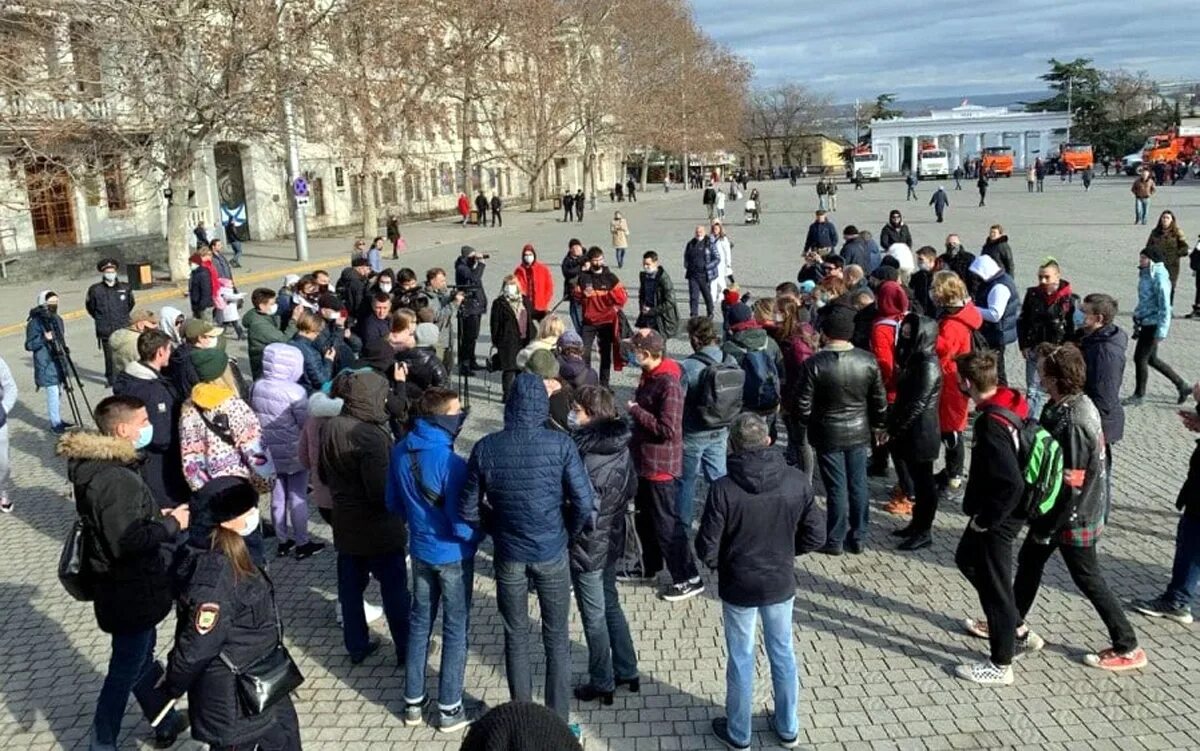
207,615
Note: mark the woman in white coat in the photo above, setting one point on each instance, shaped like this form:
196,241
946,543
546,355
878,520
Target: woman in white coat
724,262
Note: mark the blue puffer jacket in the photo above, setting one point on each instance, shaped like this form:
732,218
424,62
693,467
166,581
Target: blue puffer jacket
317,370
1154,299
436,533
45,371
281,405
520,479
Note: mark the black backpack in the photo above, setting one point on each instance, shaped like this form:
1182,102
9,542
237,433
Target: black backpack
1040,456
719,391
761,390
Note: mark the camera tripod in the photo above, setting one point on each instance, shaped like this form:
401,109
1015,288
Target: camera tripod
61,355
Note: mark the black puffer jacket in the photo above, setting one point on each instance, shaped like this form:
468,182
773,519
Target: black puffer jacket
424,369
913,418
109,306
891,234
572,267
355,451
125,532
840,399
216,613
1001,253
604,447
163,469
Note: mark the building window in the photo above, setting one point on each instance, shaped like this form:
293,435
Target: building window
86,55
339,178
355,193
446,188
389,189
114,183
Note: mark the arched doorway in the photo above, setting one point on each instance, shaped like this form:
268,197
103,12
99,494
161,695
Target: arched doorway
231,187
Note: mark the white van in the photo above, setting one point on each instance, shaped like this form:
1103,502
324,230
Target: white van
871,166
933,163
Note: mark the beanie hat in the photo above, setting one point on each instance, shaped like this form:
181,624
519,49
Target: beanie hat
520,725
891,262
210,364
837,321
427,334
570,339
1154,254
886,273
329,301
850,230
234,497
542,364
739,313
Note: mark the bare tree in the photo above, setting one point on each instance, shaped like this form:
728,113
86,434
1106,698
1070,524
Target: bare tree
783,116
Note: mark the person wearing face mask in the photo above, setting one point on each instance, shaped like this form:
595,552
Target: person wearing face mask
43,328
656,298
956,258
227,616
619,229
108,303
424,486
318,363
385,283
602,296
535,282
127,571
1047,316
511,327
263,326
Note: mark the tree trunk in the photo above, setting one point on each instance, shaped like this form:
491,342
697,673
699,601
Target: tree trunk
646,168
177,229
464,137
535,190
370,214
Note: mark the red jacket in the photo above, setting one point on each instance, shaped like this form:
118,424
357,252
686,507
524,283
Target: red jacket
954,339
537,283
657,443
892,303
464,206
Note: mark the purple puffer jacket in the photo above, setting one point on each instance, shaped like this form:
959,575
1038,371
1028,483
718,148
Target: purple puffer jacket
281,405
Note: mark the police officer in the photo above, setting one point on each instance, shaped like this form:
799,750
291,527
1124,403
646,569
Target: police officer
108,303
226,607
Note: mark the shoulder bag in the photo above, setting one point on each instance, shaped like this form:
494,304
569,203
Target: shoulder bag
72,568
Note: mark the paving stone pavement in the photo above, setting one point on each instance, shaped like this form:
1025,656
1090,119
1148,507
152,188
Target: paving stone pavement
877,634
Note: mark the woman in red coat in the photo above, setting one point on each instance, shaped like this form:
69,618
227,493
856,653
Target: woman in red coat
958,318
891,304
536,282
464,208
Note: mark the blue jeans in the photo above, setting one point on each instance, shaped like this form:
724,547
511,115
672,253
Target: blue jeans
620,257
844,474
1140,207
705,449
1185,571
54,405
1033,385
740,626
552,582
354,572
610,647
130,669
576,312
450,585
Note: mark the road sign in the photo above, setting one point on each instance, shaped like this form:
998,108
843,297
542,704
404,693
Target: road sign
300,188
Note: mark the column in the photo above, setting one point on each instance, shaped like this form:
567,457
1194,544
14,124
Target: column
980,139
1044,144
1023,151
958,147
916,140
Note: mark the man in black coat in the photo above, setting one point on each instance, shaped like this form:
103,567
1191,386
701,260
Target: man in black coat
895,231
468,276
758,517
352,290
568,205
956,258
108,303
579,200
696,257
123,560
1103,344
146,381
481,209
855,250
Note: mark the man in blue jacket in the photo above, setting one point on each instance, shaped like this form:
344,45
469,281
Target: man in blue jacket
425,483
520,481
698,255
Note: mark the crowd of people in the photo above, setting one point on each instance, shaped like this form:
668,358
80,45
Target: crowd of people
866,366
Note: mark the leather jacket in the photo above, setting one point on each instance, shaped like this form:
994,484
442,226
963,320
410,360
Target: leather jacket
913,423
841,398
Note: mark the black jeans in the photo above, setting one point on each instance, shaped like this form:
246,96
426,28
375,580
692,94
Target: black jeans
281,735
661,531
468,334
106,347
603,335
697,289
1084,568
985,559
497,220
799,451
506,382
925,494
904,476
1001,370
1145,356
955,453
1196,299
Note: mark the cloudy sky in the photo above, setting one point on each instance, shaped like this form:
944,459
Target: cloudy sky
921,48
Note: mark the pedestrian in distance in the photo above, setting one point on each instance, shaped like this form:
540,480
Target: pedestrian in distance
619,229
958,176
1143,190
982,185
464,208
756,520
700,258
940,202
579,205
1152,322
497,207
910,184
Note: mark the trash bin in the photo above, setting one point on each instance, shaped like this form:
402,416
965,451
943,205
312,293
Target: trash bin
141,275
557,203
474,216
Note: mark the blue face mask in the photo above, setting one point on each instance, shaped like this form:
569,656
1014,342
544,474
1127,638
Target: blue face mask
1078,318
145,435
573,420
452,424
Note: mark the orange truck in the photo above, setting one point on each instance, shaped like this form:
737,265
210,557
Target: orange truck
1178,143
1077,156
998,160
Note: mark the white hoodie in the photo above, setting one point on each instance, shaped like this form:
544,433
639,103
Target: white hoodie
987,269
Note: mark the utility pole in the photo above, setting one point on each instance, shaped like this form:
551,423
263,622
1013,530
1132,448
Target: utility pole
1070,91
856,135
299,220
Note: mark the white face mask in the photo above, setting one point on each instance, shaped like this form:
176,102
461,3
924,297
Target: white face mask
331,315
110,276
193,266
385,287
512,290
528,259
252,520
273,308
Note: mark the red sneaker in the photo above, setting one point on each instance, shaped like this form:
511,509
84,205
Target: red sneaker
899,506
1111,659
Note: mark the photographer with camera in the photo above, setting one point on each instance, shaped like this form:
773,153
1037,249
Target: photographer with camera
468,274
409,294
44,337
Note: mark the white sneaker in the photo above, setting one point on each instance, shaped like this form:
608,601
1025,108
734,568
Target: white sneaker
373,612
986,673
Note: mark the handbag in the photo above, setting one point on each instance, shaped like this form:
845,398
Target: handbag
72,568
270,678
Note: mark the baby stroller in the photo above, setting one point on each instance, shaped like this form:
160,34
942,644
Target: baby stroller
752,216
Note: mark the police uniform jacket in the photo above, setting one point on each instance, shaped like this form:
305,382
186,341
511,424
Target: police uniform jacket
217,614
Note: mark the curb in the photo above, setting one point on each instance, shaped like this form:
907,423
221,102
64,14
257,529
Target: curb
173,292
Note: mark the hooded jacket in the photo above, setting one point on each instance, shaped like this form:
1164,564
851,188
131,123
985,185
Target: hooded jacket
123,343
891,305
233,449
526,485
954,338
162,467
913,422
1104,354
535,282
46,370
1047,317
996,479
1000,252
355,451
167,315
262,330
996,297
1075,424
757,518
321,409
437,533
316,370
855,251
891,234
281,404
125,532
604,446
1154,300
